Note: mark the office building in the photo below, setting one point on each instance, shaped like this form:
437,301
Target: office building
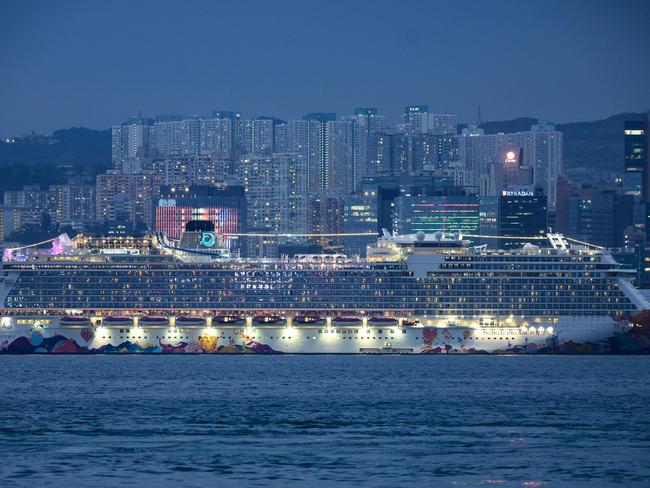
600,217
385,189
359,217
522,214
430,214
637,145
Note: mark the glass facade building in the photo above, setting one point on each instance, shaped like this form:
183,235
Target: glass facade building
521,214
437,214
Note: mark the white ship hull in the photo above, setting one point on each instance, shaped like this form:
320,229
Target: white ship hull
568,334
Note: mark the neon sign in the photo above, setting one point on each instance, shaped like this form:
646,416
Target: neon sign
208,239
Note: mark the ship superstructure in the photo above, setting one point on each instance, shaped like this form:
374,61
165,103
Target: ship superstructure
413,294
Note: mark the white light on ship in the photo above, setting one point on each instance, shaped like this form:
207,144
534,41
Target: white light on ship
549,330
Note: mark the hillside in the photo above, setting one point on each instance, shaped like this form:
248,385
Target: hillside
44,160
593,145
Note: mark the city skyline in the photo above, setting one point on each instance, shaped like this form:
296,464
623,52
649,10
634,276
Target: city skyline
334,58
296,199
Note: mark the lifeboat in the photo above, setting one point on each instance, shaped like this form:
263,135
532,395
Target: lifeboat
121,321
346,321
308,320
189,320
151,321
228,320
382,321
72,321
410,323
269,320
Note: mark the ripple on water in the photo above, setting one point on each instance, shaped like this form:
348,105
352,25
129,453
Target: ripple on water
325,421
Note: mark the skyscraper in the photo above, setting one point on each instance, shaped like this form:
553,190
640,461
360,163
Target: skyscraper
522,213
637,145
125,197
367,123
73,203
317,149
438,124
276,192
431,214
130,140
262,135
412,120
340,171
235,126
541,148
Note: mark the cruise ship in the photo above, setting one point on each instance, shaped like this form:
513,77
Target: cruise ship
413,294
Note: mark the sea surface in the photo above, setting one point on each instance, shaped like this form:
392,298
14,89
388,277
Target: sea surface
348,421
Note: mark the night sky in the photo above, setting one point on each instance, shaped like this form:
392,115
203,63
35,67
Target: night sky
92,64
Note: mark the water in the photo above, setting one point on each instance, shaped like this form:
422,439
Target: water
324,421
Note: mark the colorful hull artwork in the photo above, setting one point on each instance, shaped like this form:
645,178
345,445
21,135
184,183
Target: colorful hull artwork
58,344
619,343
617,339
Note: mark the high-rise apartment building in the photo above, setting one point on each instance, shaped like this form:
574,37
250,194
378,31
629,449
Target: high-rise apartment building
171,136
418,120
73,203
412,118
367,123
123,197
341,173
438,124
325,216
281,137
276,192
234,119
318,152
192,170
130,140
262,135
541,150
